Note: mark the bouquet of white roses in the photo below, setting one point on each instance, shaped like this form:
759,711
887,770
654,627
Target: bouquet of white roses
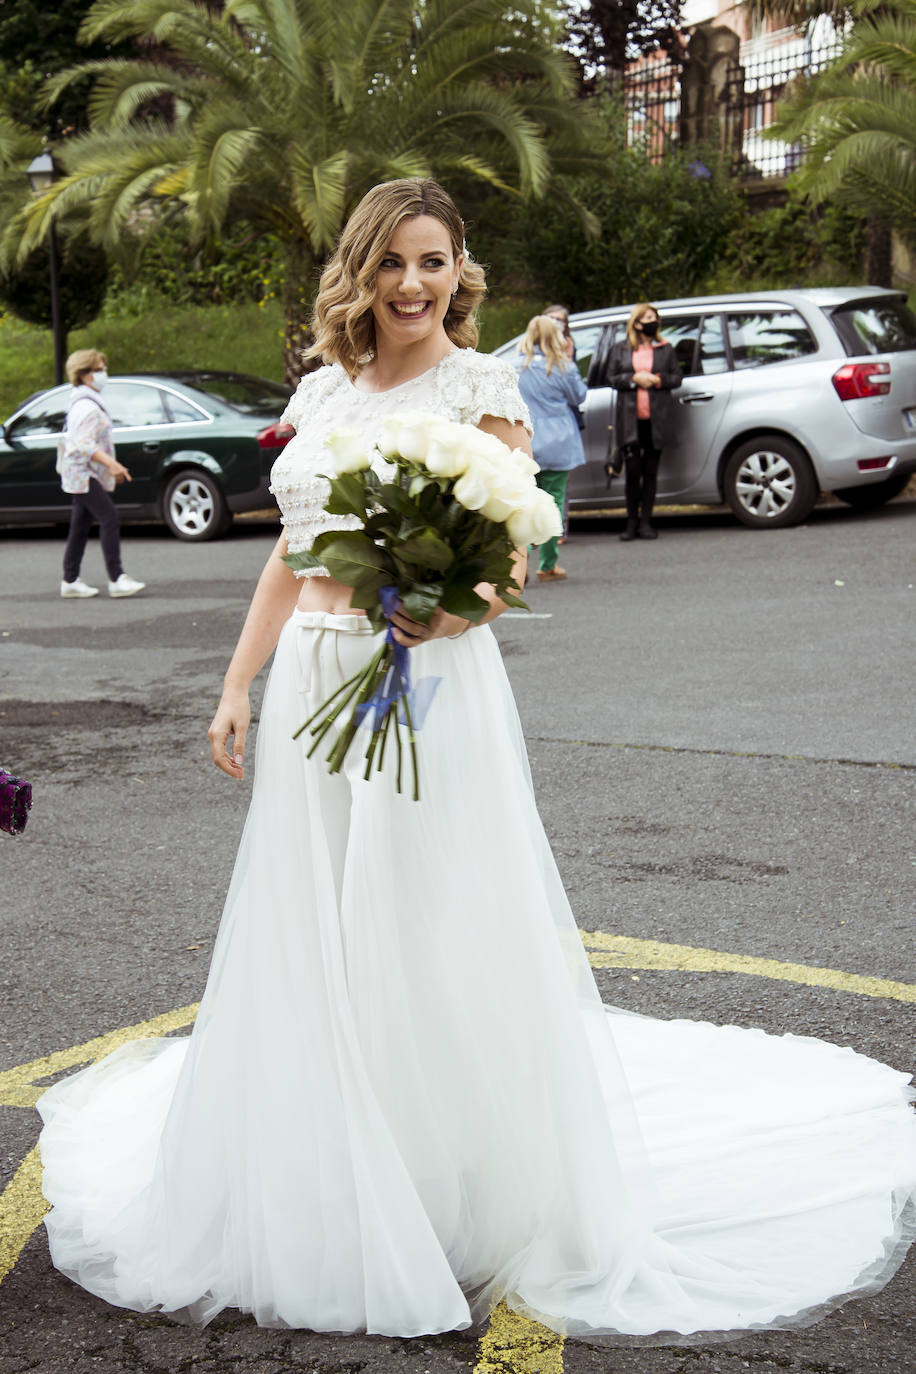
456,506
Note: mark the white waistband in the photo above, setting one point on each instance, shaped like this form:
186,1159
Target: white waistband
352,623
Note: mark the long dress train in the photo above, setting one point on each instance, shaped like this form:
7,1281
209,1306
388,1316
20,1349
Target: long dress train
403,1099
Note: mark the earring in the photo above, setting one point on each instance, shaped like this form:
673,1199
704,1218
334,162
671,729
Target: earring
455,293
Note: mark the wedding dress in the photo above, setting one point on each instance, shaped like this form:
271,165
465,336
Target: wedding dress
403,1099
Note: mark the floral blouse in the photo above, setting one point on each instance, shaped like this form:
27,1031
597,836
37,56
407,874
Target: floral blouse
88,428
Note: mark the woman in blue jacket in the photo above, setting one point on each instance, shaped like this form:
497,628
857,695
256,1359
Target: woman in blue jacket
553,391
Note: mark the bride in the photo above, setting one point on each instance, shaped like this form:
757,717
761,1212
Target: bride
403,1100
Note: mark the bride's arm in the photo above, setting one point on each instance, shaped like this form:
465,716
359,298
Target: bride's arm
442,625
271,606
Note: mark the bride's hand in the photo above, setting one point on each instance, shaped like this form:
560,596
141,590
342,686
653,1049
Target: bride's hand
442,625
232,718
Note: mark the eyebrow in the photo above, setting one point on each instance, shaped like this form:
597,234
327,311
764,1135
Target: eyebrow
427,253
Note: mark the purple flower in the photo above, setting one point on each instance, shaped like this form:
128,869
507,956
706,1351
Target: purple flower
15,801
699,169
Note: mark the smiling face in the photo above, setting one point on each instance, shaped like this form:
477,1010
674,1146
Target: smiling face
414,284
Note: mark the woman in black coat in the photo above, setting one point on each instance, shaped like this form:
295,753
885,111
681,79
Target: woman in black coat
644,371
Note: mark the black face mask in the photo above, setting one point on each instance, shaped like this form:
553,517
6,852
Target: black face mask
649,328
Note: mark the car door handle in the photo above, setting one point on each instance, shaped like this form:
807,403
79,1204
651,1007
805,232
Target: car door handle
692,396
151,447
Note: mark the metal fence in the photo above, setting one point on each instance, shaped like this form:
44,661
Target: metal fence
754,87
743,107
652,99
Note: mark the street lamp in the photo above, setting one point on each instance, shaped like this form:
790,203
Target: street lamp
42,173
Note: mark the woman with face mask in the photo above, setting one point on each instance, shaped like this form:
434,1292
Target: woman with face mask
89,472
644,371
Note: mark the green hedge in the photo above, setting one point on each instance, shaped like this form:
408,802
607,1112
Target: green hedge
236,338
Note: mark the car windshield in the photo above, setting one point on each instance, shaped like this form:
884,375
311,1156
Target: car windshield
876,326
250,395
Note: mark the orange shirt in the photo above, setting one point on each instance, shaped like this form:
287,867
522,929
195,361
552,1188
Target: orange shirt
642,362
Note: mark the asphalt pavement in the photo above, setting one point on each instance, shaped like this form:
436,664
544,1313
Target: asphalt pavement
722,745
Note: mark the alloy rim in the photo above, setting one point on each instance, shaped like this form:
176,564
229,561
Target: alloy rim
766,484
191,506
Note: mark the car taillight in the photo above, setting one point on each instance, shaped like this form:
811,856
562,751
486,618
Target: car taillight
275,436
855,380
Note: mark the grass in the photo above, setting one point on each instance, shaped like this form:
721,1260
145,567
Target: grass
234,338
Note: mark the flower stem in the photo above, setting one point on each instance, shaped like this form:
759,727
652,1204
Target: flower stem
325,704
385,728
413,747
397,737
375,671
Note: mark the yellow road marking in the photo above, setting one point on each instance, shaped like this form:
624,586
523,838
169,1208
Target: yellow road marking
17,1086
619,951
512,1342
22,1207
515,1345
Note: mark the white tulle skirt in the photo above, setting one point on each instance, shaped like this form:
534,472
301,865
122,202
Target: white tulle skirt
403,1099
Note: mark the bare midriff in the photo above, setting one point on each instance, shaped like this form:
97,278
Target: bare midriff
324,594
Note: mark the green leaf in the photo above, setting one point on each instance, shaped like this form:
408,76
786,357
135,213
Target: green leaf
422,600
425,550
365,598
392,497
512,600
354,559
348,496
296,561
461,599
381,525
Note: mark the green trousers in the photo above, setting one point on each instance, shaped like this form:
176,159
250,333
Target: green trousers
555,484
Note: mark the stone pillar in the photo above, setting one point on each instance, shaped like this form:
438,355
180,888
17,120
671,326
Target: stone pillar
712,90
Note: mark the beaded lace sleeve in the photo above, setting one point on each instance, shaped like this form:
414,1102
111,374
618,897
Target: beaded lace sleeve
478,384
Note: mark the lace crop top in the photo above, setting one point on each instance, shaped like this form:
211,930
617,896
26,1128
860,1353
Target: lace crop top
464,386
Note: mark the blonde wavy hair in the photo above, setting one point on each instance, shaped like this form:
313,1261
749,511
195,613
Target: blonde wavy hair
545,334
637,313
83,361
342,323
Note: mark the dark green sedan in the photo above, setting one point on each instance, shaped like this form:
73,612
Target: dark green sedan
199,446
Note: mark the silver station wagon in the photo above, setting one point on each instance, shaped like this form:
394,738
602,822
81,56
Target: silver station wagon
785,394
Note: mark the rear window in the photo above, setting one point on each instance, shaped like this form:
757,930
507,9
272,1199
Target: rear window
876,327
761,337
250,395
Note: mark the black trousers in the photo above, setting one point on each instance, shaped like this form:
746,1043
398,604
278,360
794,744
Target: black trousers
88,506
641,473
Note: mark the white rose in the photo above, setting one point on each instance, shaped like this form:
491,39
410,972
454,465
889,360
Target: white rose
483,445
471,489
536,521
348,451
387,441
511,493
406,434
524,462
447,454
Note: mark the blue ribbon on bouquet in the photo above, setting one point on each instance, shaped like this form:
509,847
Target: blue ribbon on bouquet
396,682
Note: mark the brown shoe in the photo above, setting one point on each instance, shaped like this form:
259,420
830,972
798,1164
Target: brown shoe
551,574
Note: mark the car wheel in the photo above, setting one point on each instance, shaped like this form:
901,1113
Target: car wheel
194,506
769,483
876,493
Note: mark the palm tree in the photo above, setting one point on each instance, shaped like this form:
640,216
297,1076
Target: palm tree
857,123
282,113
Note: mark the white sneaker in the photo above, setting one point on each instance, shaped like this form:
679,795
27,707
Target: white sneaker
125,586
78,588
